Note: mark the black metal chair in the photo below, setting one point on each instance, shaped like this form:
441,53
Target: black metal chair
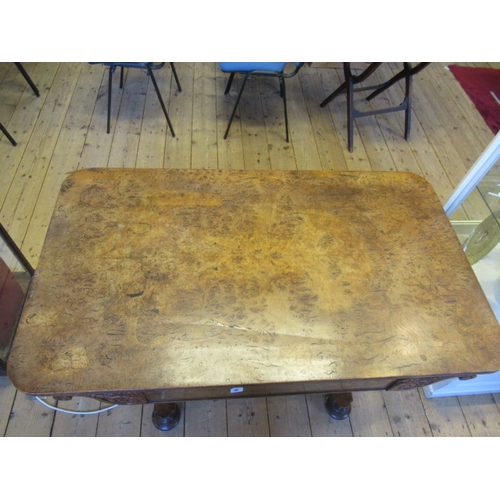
248,69
149,68
347,87
35,90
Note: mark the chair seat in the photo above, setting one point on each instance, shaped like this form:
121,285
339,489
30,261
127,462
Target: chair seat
138,65
244,67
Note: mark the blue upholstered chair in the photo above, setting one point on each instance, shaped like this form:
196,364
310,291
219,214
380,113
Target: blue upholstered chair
149,67
248,69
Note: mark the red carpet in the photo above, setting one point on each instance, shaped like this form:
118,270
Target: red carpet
478,83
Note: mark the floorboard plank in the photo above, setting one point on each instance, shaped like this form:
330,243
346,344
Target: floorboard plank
288,416
406,414
149,430
206,418
7,396
281,154
154,129
496,398
16,159
29,418
204,135
67,153
322,425
247,417
452,93
300,127
128,124
12,87
330,150
122,421
97,147
250,116
23,196
481,414
229,151
74,425
178,150
357,160
445,416
369,416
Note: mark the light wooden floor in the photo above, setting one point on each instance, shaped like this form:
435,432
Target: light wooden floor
65,129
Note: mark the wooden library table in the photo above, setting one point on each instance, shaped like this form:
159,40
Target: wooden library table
161,286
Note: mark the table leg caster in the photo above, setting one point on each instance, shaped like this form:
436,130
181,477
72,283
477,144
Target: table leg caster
338,406
166,416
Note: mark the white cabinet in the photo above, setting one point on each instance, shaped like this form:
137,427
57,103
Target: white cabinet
474,211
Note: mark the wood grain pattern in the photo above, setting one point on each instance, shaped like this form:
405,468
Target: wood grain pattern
190,283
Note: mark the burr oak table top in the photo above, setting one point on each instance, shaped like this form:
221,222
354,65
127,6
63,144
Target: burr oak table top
165,285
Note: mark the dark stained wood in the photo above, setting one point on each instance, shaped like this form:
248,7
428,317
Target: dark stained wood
170,285
166,416
11,298
338,406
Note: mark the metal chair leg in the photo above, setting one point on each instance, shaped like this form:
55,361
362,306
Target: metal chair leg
408,101
283,93
27,78
333,95
20,67
236,104
404,73
153,79
110,84
348,87
11,139
175,76
356,79
350,110
229,83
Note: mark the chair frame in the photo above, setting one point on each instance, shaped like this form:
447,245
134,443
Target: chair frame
6,133
149,68
281,77
347,87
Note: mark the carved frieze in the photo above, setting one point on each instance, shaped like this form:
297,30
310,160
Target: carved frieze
413,383
121,398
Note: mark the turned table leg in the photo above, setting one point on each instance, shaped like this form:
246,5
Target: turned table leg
166,416
338,406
